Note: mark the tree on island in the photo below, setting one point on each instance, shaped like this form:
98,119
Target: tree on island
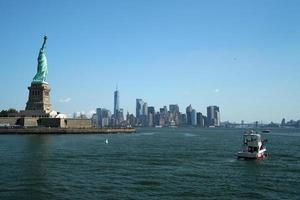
7,113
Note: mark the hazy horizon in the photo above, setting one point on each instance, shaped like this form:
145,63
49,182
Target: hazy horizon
239,55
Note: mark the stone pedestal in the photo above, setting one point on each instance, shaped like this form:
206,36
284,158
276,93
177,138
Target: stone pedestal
39,97
38,104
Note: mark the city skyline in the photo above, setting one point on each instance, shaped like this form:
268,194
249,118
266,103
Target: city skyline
149,116
241,56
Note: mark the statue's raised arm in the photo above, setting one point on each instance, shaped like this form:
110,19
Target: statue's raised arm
42,68
45,39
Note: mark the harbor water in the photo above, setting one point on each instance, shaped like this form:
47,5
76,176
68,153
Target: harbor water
157,163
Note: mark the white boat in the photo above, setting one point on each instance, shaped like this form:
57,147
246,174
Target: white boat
253,146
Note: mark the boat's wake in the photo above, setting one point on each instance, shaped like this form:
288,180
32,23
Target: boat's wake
147,133
189,135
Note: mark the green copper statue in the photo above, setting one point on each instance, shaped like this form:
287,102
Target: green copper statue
42,69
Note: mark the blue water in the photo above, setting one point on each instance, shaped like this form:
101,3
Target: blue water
183,163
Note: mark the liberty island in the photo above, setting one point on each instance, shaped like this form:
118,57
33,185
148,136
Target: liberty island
38,116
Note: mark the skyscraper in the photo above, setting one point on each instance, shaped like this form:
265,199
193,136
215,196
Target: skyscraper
150,117
200,119
194,117
145,109
143,118
130,119
103,117
121,115
183,119
189,114
139,108
174,108
106,116
174,114
213,116
141,112
151,110
99,117
116,103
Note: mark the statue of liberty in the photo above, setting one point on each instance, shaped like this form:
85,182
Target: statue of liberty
42,69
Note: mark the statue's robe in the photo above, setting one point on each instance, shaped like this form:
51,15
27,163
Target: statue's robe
42,69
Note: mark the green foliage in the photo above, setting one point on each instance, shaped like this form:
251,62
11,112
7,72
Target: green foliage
6,113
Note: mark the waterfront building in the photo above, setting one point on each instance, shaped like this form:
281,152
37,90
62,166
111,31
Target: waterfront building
213,116
183,119
139,110
151,110
156,119
162,121
194,117
159,119
189,114
177,118
283,122
118,114
121,115
164,110
94,120
98,117
103,118
106,116
200,119
116,103
144,118
151,116
174,108
150,119
163,116
131,120
161,110
205,121
127,117
174,114
145,109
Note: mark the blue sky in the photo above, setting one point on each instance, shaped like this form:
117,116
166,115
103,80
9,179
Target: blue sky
240,55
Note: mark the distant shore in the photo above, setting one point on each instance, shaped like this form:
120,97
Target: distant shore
44,130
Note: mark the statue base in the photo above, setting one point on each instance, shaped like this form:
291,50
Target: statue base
38,104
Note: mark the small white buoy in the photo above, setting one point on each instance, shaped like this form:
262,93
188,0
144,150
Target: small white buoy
106,141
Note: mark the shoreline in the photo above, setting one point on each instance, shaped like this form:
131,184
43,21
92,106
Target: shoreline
5,131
